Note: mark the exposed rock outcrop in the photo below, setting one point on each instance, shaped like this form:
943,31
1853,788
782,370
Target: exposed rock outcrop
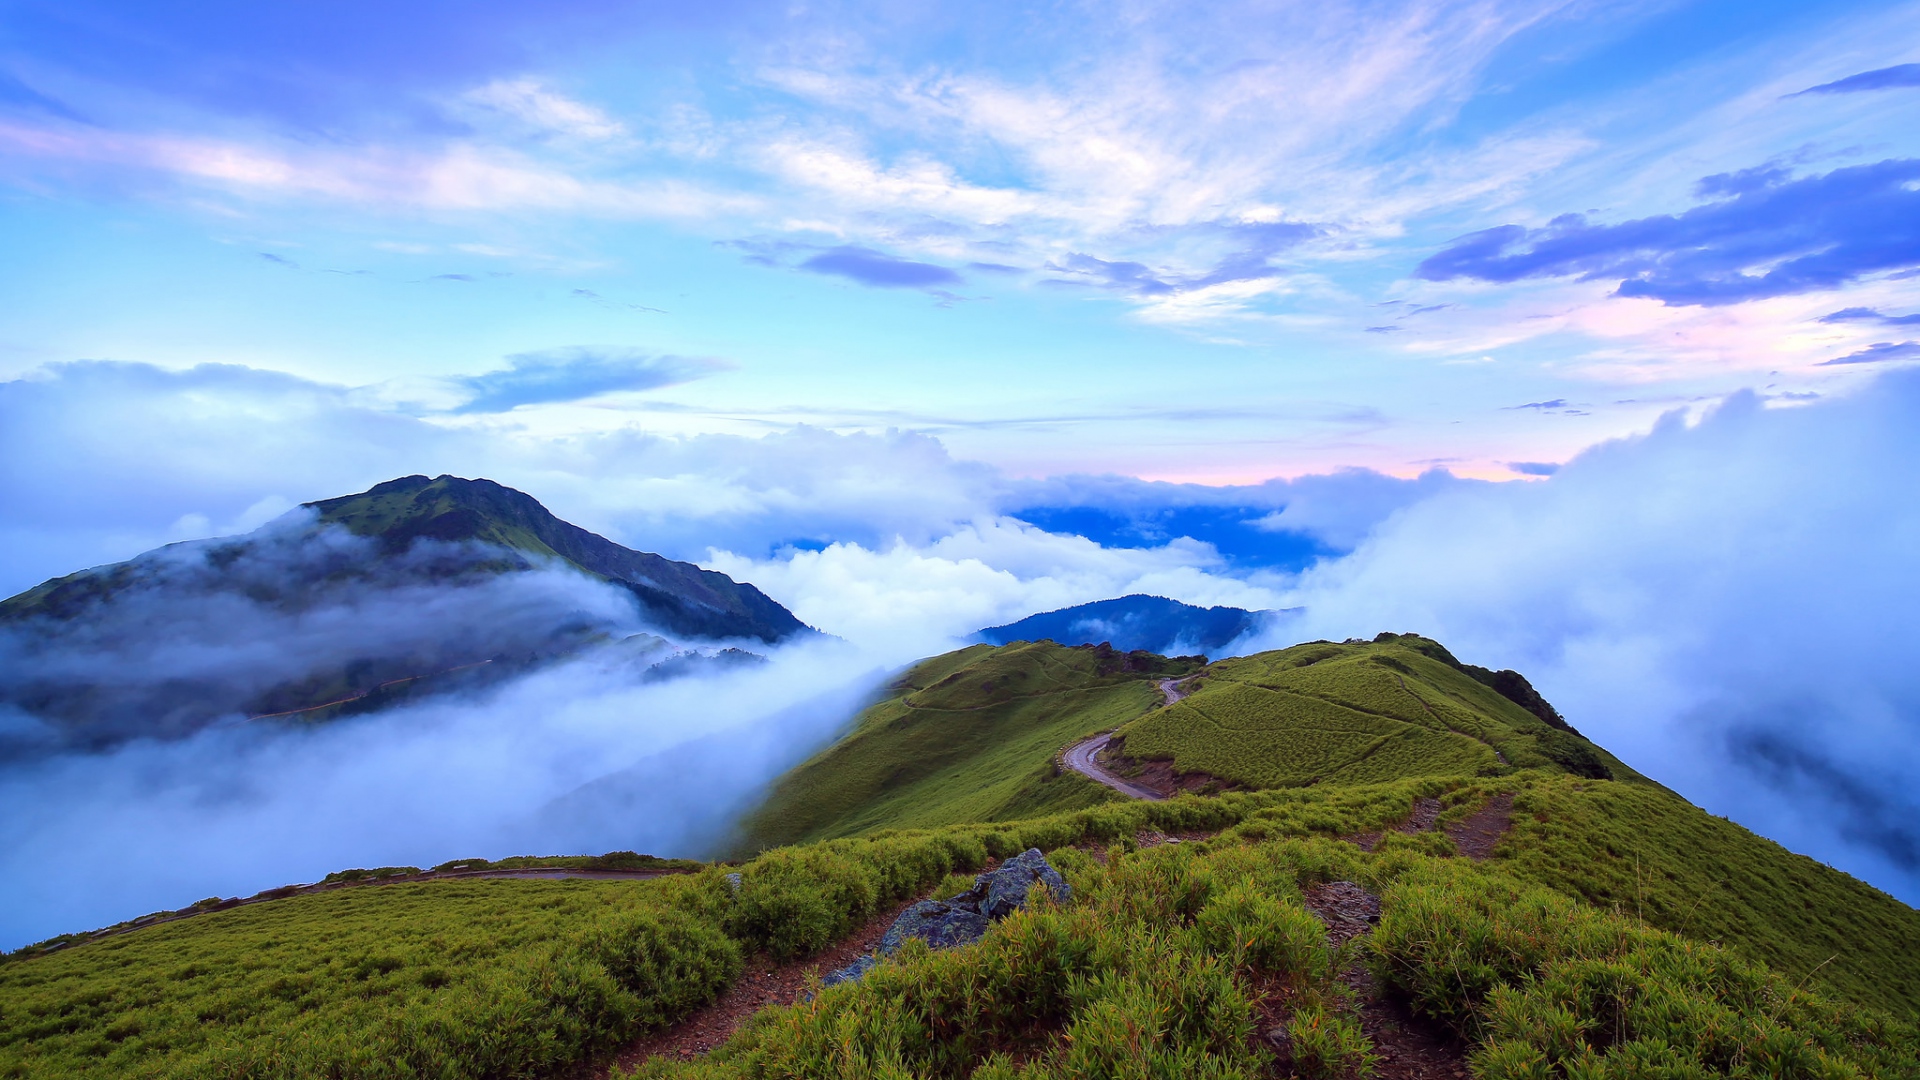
963,919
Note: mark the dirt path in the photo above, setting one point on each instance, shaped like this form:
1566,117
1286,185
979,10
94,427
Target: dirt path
764,983
1080,758
1407,1047
1171,688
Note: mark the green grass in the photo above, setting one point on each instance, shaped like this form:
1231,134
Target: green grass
1168,961
518,978
1618,931
968,736
1396,707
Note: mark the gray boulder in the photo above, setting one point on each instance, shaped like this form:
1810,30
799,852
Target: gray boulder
850,973
942,924
963,919
1002,892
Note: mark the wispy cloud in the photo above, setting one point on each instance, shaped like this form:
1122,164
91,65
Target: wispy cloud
1763,235
577,372
1886,78
876,268
1880,352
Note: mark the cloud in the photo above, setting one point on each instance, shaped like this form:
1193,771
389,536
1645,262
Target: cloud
577,372
1879,352
1534,468
1886,78
581,757
542,109
1706,600
925,599
1869,315
1764,235
1252,247
869,267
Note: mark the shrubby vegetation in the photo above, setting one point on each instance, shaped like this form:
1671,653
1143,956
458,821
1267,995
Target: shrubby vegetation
517,978
1172,960
1617,930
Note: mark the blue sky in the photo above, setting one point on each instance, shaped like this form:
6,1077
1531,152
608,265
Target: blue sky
1265,240
1579,336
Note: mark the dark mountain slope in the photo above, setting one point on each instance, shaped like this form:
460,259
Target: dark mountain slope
680,597
416,587
1154,623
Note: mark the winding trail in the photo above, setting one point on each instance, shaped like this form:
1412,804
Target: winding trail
1080,757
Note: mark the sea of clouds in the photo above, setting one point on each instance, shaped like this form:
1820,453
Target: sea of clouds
1727,601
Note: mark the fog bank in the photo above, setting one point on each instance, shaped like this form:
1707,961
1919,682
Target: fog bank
1732,606
91,839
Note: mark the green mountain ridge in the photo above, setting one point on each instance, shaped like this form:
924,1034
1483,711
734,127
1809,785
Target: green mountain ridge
1605,930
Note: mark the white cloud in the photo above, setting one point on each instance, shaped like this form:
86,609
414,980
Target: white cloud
532,103
920,599
1728,605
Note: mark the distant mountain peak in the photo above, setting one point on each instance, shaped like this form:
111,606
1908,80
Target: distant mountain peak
1138,621
680,597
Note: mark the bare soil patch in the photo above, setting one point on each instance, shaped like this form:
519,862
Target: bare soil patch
1407,1047
1425,813
1159,776
1477,834
764,983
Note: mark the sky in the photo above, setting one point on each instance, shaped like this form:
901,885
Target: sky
1577,335
1266,240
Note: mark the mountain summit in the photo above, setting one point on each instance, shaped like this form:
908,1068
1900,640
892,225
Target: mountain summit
1153,623
678,597
416,586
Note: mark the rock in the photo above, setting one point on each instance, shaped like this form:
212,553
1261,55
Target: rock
1001,892
963,919
850,973
942,924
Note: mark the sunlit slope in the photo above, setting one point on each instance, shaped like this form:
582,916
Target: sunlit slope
465,979
1399,706
968,736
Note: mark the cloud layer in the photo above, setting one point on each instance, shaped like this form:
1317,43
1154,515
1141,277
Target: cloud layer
1728,605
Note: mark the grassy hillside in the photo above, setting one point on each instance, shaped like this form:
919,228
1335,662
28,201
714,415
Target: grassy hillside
1322,719
968,736
1395,707
1162,965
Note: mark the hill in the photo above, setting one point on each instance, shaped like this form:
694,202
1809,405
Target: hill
1153,623
1203,958
1397,706
414,587
1325,719
1550,914
964,737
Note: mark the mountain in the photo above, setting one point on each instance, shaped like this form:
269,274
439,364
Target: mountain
968,736
414,587
1389,866
1154,623
678,597
978,736
971,735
